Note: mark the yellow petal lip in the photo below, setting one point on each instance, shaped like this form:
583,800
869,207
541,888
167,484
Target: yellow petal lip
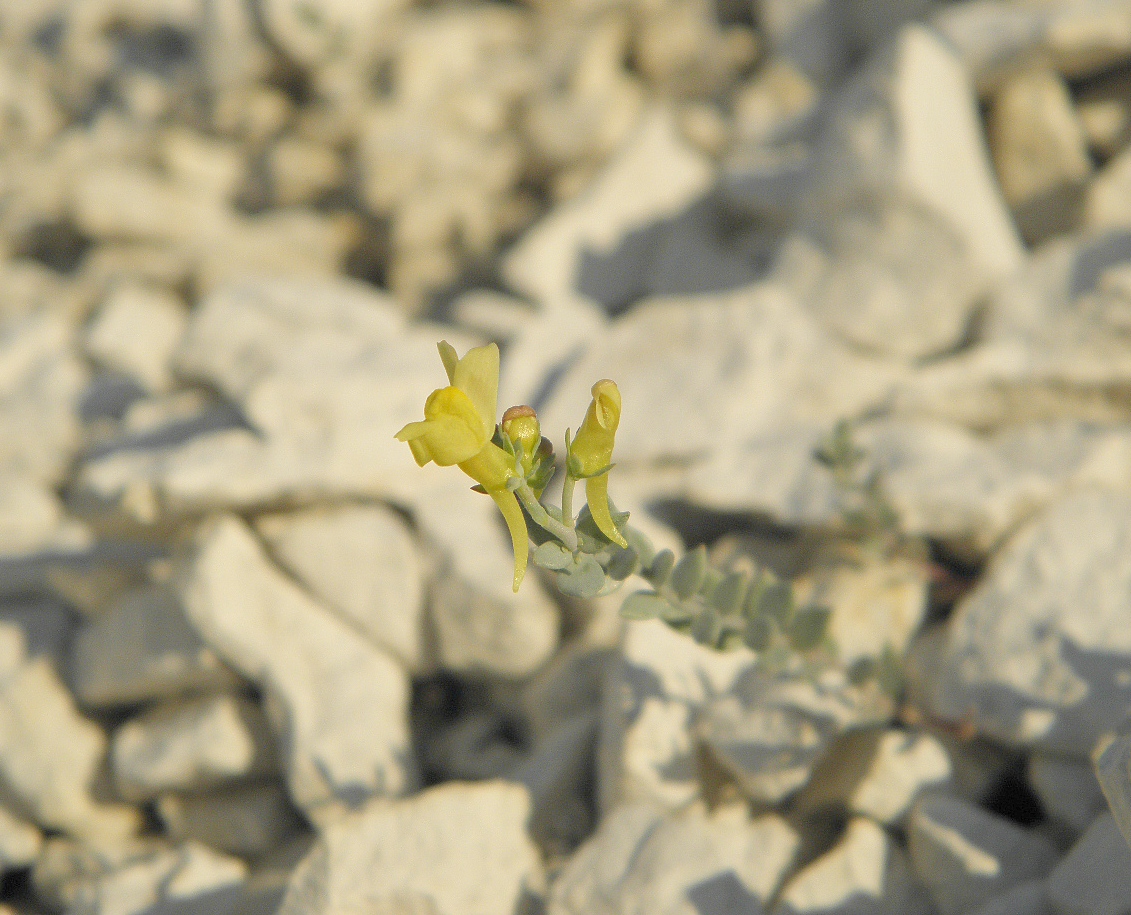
452,430
606,404
477,375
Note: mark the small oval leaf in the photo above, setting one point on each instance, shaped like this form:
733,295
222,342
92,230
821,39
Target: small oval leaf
643,605
777,601
552,555
621,564
808,627
759,633
584,579
688,573
707,628
727,597
660,568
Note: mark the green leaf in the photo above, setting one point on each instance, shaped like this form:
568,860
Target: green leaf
808,627
643,605
889,672
751,605
621,564
640,542
677,615
707,628
688,573
759,633
585,578
552,555
862,670
777,601
660,568
712,578
727,597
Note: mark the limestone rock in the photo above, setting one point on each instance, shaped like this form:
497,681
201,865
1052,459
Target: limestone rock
1105,203
1040,152
810,35
965,855
910,120
654,176
50,755
864,872
1028,898
136,332
1019,657
361,561
340,701
20,842
687,863
480,624
384,858
1112,761
142,647
191,747
249,821
877,774
1095,876
1067,789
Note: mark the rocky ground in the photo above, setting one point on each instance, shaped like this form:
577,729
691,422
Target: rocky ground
253,660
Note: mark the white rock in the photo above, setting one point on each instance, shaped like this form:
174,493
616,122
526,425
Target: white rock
362,561
865,872
1020,659
325,29
340,701
1040,152
385,858
50,755
654,176
667,695
302,170
248,820
1112,761
1086,38
878,774
40,384
965,855
212,167
169,877
142,647
1094,878
700,371
20,842
30,515
810,35
1105,203
1028,898
899,281
136,332
911,120
689,863
480,625
1067,789
773,104
993,39
192,746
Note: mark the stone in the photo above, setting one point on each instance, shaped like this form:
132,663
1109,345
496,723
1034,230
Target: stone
1112,761
1095,876
42,380
246,820
1088,38
809,35
480,626
865,872
654,176
993,39
141,647
1040,152
214,168
192,746
313,35
50,755
340,700
20,842
66,866
136,331
881,291
184,877
362,561
384,857
908,125
1105,114
302,171
877,774
1067,789
1028,898
686,863
667,700
696,372
31,517
965,855
1020,661
776,104
1105,202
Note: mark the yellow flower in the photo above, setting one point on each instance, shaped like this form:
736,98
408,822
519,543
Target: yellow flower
592,453
458,424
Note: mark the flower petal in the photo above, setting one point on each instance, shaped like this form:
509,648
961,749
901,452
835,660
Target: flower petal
597,495
449,358
477,375
452,431
516,524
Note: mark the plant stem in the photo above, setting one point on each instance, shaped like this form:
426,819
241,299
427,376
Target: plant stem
541,517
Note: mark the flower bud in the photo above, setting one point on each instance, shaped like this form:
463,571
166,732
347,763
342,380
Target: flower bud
520,425
591,455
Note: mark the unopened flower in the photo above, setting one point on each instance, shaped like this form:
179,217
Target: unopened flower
591,455
459,422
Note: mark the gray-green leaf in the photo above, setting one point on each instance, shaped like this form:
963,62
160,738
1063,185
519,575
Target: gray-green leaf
727,597
759,633
643,605
707,627
660,568
552,555
621,564
808,627
688,573
584,579
777,601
